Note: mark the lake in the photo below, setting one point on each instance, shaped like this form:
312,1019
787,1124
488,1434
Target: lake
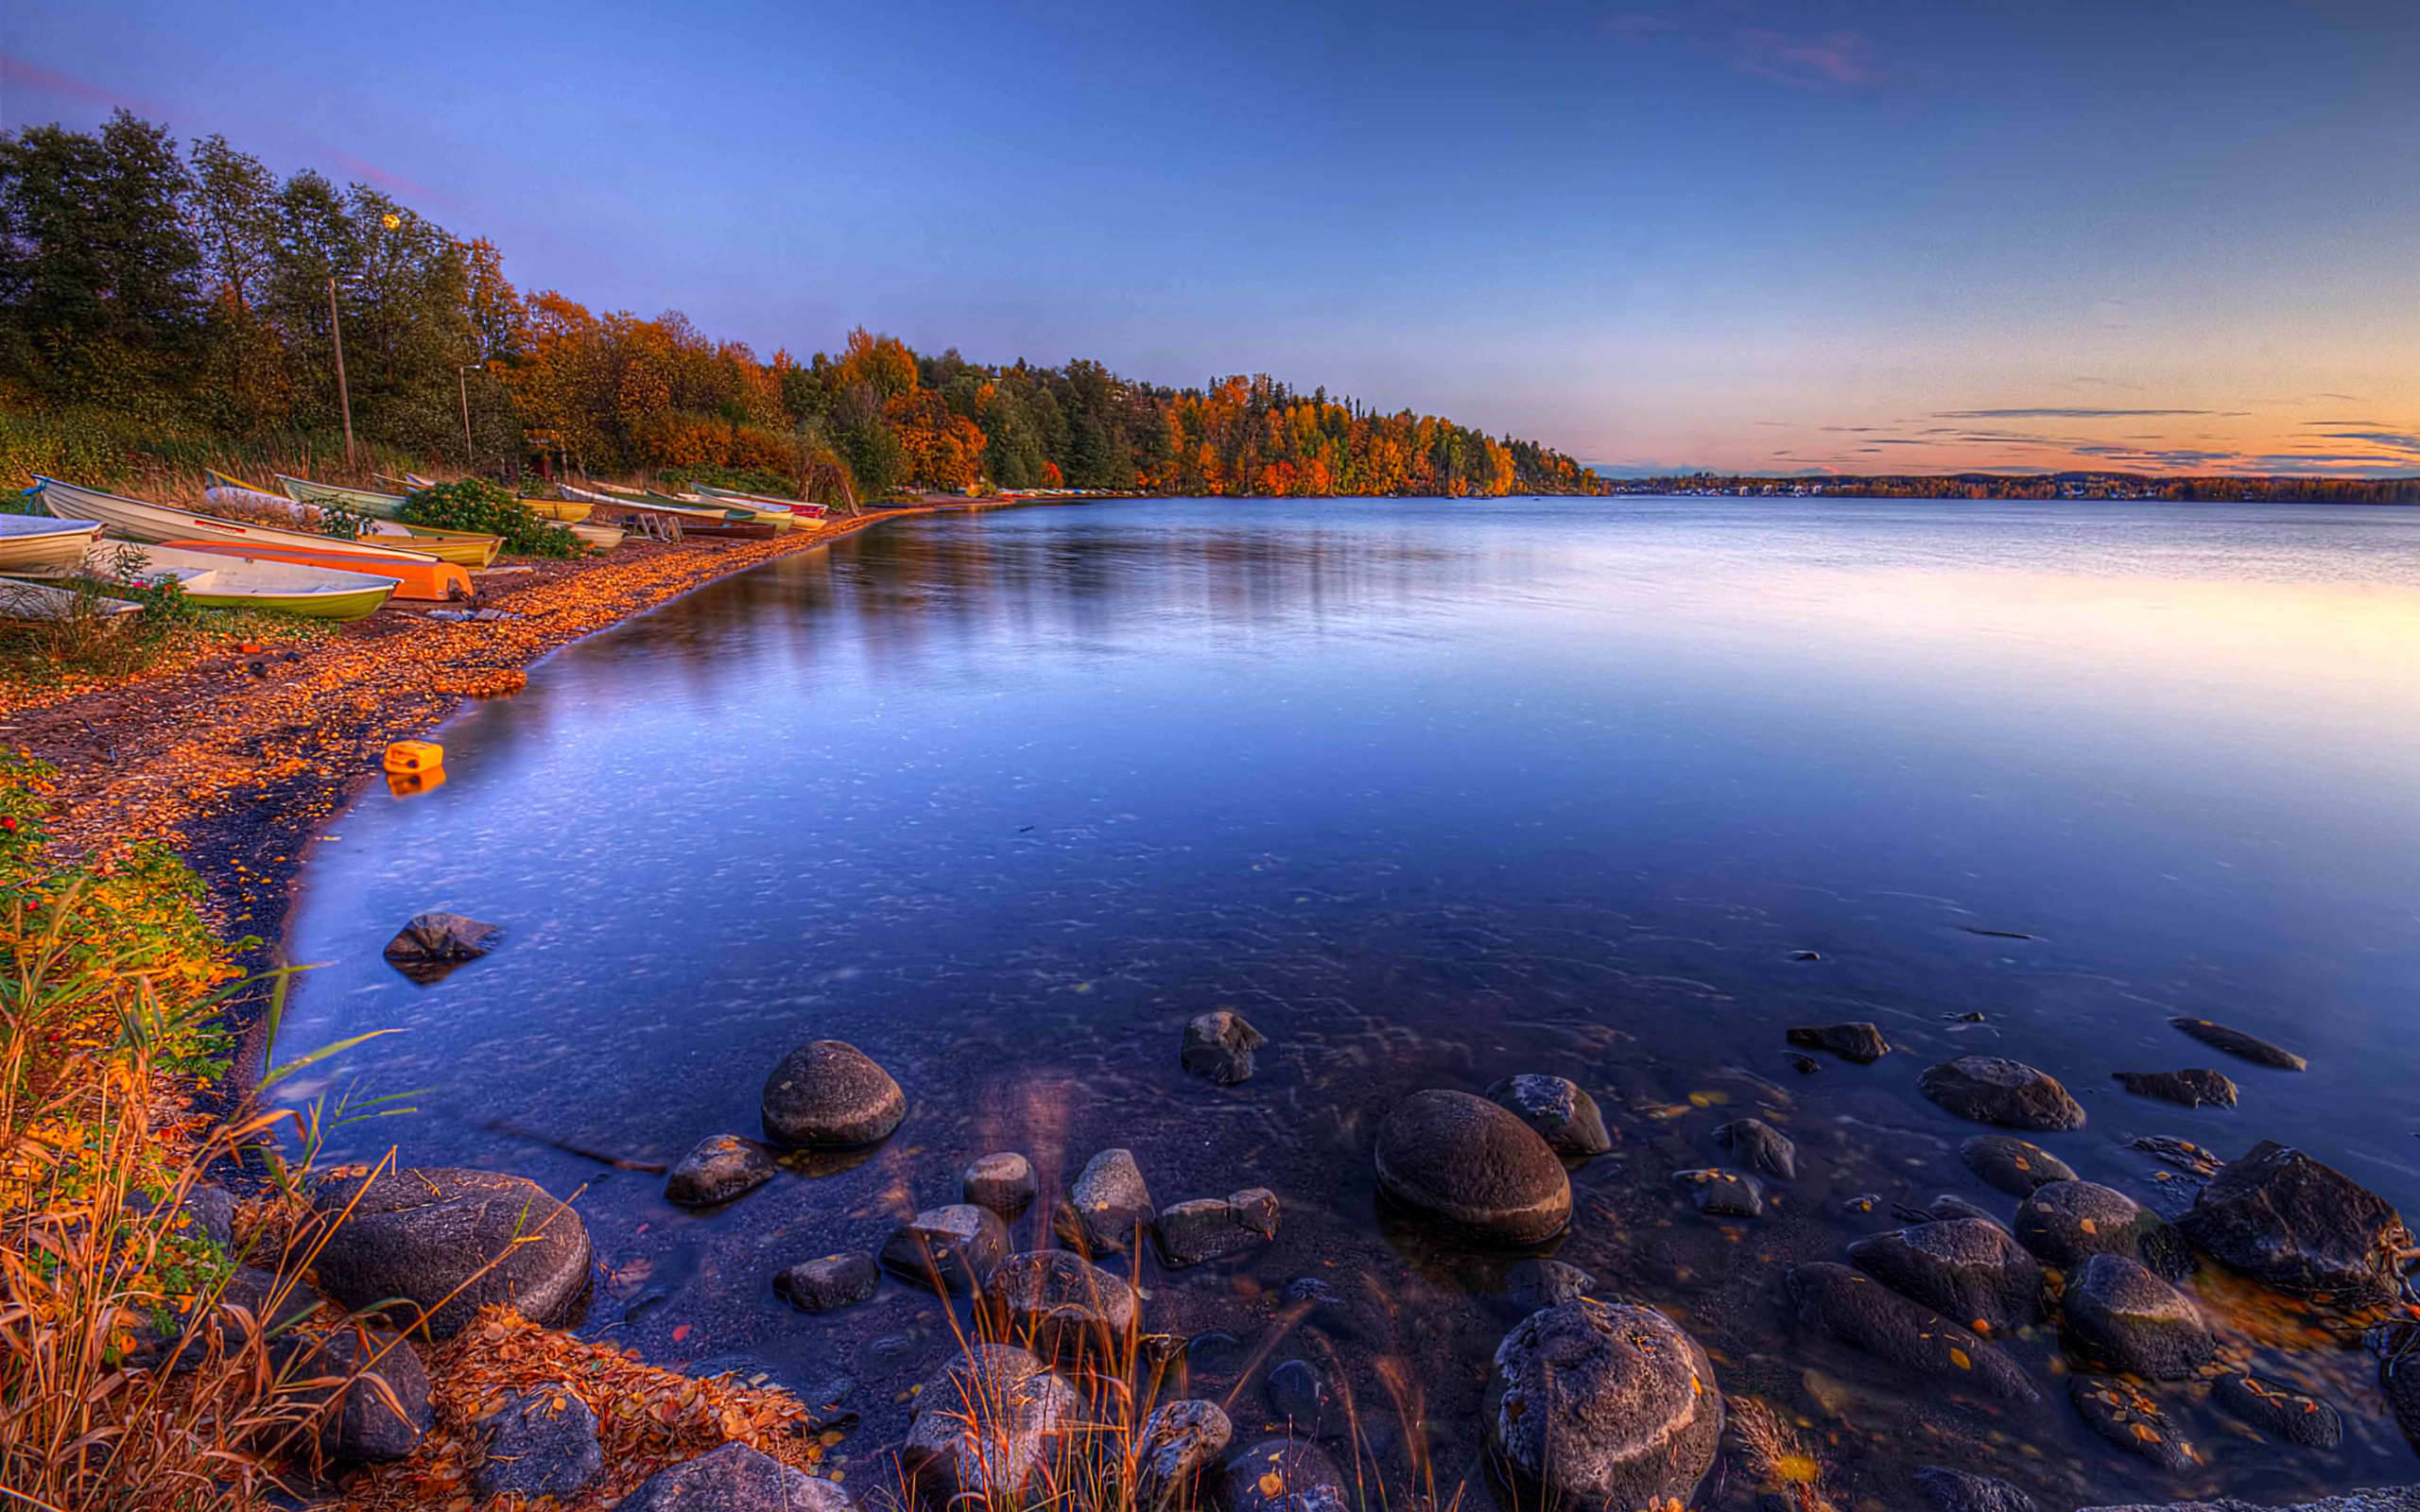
1432,792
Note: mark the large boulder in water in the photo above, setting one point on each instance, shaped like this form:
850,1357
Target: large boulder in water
1473,1167
1218,1045
1859,1309
1604,1406
2066,1222
1559,1109
2286,1220
1992,1090
829,1095
735,1478
1969,1269
988,1427
431,945
417,1238
2120,1316
1107,1207
721,1167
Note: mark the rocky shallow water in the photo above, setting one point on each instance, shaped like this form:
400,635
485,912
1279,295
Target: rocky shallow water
1433,801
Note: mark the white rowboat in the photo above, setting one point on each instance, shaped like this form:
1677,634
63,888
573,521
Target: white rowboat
138,520
39,541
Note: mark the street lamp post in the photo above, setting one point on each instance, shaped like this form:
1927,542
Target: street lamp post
344,399
462,380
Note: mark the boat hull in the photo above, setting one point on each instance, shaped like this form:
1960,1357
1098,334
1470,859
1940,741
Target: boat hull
34,547
158,525
436,581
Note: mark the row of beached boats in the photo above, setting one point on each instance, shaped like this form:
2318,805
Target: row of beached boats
295,565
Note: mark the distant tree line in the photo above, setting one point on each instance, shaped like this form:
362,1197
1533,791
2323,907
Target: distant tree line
2210,488
196,294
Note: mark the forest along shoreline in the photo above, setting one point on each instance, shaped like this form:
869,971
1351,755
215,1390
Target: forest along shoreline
239,758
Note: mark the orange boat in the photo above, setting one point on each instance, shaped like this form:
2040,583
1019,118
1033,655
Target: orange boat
419,578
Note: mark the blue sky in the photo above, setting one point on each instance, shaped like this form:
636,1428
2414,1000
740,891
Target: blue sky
1765,234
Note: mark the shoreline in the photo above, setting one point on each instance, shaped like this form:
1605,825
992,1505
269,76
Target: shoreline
237,760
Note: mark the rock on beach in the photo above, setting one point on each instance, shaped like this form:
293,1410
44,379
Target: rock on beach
1003,1183
1993,1090
1859,1042
1562,1112
2242,1045
2066,1222
1218,1045
1021,1416
1759,1147
951,1250
2120,1316
1059,1305
1861,1311
1603,1406
2013,1165
735,1478
431,945
831,1282
420,1235
829,1095
721,1167
2304,1228
1208,1227
1108,1205
1969,1269
2190,1088
1473,1167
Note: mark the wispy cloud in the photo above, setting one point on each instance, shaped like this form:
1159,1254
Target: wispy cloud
22,75
1839,58
2063,413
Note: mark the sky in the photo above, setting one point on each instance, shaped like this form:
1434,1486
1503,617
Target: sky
1758,235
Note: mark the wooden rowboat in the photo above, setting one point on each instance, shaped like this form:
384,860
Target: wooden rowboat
797,507
138,520
437,581
598,538
41,540
222,580
337,496
45,601
469,548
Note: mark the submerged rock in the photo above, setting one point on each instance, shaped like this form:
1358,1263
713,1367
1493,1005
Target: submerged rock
828,1095
1470,1164
1179,1440
1945,1206
829,1284
992,1454
452,1242
735,1478
1218,1045
1108,1205
951,1250
2066,1222
1861,1042
2183,1154
1759,1147
432,945
2279,1410
1604,1406
1059,1305
1968,1270
1211,1227
1299,1400
1861,1311
1723,1193
1993,1090
1565,1116
1532,1284
2190,1088
2397,1347
1003,1183
2130,1418
2237,1044
540,1442
1954,1490
2122,1318
721,1168
2013,1165
2288,1222
1281,1475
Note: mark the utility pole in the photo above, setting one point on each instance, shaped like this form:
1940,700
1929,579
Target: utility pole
344,399
461,377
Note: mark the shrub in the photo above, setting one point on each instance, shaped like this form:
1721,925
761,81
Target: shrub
744,479
474,503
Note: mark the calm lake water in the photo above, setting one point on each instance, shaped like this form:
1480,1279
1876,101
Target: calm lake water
1432,793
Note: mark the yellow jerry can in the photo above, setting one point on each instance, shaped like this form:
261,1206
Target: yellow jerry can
409,757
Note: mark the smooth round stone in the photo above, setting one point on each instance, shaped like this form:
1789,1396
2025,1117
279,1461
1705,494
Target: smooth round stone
1003,1183
2013,1165
1992,1090
2122,1316
1281,1475
954,1248
829,1096
1723,1193
1604,1406
2279,1410
1969,1271
735,1478
1472,1165
450,1242
721,1168
831,1282
1060,1306
1107,1207
2066,1222
1564,1114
